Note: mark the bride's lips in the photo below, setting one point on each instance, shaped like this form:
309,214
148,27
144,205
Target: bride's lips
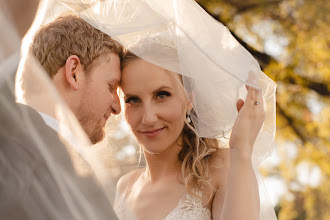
152,133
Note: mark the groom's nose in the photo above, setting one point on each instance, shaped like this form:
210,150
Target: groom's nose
115,106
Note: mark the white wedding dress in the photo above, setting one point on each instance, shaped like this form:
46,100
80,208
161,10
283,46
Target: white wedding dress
190,208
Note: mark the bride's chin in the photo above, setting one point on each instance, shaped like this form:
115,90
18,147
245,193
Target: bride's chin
150,151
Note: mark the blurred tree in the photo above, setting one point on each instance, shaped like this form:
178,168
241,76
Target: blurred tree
291,41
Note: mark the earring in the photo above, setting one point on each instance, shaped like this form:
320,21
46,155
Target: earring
188,117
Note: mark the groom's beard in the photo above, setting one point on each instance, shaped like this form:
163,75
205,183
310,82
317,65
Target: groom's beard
94,129
93,126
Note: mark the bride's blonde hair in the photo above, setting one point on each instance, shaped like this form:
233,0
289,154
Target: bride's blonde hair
196,153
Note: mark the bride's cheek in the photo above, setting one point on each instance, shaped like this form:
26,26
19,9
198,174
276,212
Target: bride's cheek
131,115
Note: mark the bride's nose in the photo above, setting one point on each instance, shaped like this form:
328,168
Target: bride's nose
149,116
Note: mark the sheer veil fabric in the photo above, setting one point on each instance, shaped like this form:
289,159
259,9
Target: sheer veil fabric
176,35
181,37
42,175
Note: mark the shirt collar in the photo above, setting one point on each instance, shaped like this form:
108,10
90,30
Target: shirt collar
64,132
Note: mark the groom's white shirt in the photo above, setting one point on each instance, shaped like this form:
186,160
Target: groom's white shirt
65,133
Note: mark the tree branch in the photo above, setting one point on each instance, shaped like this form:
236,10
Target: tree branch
319,87
290,122
244,8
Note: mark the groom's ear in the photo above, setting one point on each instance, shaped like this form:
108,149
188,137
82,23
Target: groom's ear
72,69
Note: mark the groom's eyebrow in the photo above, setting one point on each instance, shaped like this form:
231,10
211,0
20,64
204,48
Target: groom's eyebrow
114,81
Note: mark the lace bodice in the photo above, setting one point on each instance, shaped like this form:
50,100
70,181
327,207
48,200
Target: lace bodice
190,208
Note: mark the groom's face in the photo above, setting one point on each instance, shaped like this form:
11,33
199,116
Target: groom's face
99,98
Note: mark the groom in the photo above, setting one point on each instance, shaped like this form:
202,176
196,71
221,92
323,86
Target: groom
84,65
37,174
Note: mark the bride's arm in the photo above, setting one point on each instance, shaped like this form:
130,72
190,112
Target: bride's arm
241,198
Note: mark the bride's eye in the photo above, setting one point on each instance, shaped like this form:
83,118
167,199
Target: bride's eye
162,94
132,100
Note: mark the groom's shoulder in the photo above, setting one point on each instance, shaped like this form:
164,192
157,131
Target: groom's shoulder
128,179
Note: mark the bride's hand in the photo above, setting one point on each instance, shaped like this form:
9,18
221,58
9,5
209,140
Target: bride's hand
251,116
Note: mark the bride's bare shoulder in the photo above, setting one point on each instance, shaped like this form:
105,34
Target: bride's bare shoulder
128,179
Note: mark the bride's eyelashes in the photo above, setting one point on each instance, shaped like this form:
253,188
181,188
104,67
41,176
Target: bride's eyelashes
132,100
159,95
162,94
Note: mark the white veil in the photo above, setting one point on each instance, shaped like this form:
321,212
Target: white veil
42,176
214,66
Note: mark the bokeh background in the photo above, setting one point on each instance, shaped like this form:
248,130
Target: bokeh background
291,41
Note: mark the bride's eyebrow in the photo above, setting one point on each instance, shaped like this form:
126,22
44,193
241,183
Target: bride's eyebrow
129,95
162,88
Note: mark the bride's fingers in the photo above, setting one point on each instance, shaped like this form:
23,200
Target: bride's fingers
239,104
250,97
259,99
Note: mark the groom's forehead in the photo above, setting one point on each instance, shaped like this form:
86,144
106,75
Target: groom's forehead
109,65
115,70
115,77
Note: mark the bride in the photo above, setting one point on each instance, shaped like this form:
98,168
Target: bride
186,177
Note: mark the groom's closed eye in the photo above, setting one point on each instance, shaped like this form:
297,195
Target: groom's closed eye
112,87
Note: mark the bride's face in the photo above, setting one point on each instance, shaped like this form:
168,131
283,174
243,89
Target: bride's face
154,105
